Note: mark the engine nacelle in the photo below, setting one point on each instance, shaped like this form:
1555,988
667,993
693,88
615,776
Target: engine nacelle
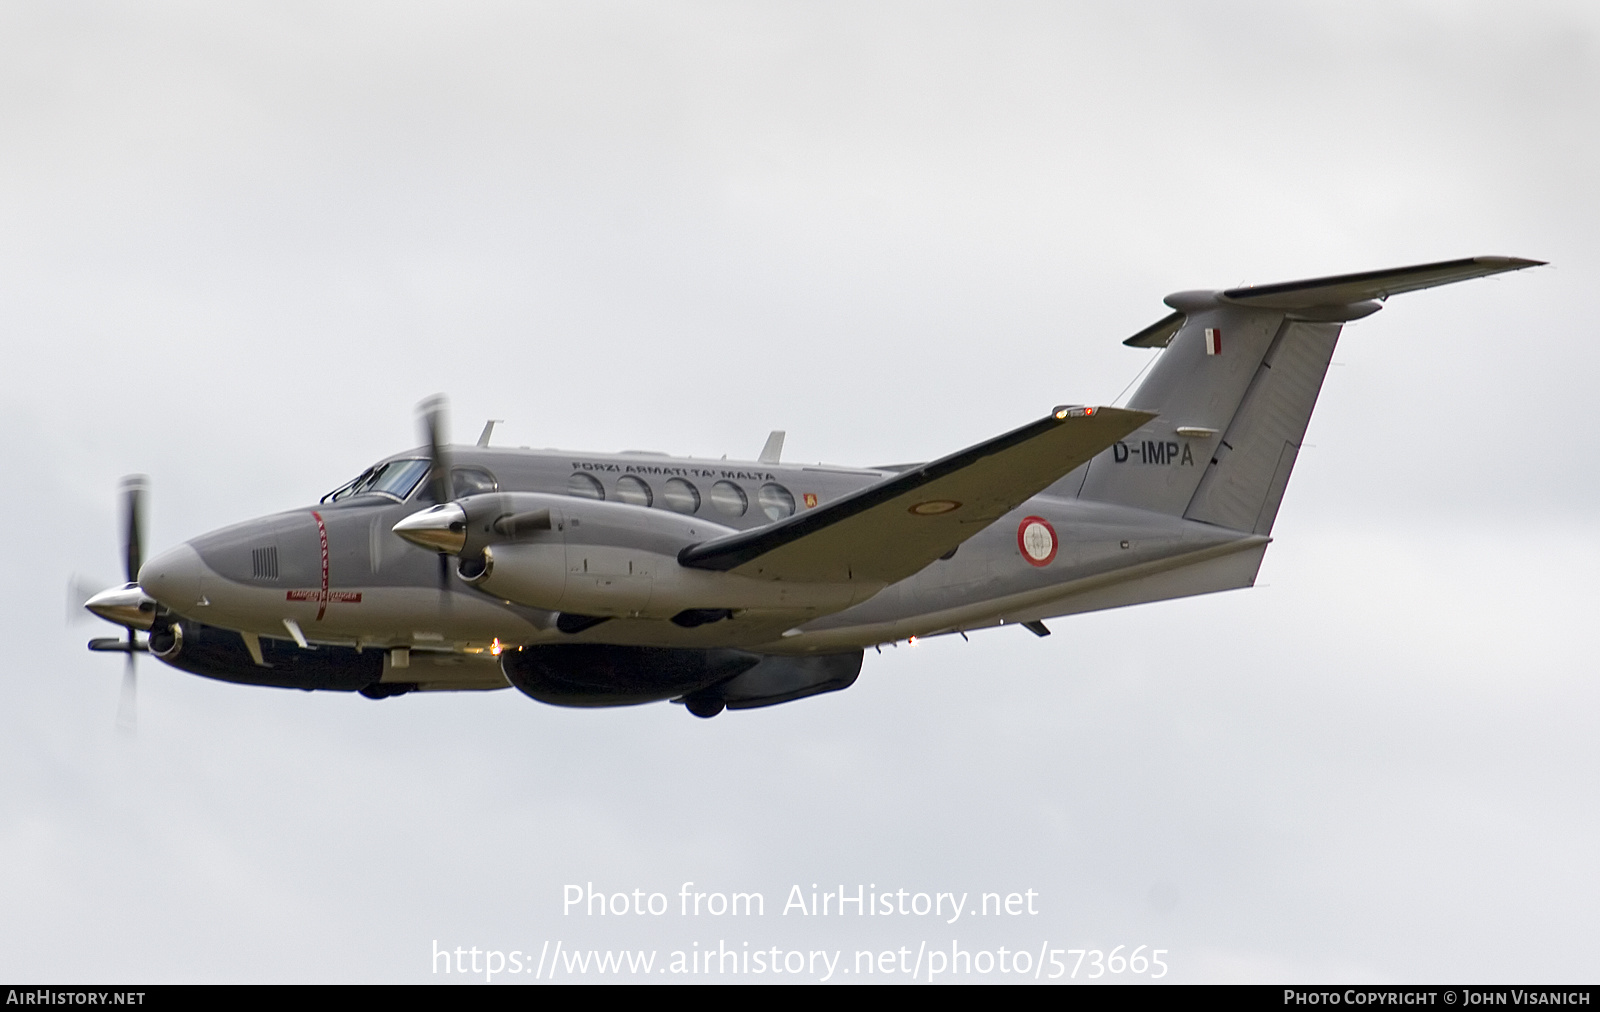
615,560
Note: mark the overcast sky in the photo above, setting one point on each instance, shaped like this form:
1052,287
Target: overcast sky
239,243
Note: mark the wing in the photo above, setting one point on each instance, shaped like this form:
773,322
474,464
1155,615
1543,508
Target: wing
886,532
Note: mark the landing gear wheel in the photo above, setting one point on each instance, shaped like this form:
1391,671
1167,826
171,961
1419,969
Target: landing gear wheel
706,708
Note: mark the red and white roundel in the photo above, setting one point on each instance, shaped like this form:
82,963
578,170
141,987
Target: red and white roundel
1036,540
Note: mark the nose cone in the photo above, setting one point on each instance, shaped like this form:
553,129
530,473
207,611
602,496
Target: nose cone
442,528
173,578
126,605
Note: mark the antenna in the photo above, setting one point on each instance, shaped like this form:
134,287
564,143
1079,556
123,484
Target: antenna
774,448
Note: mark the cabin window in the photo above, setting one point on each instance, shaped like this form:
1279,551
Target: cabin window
633,491
585,486
776,501
681,496
729,499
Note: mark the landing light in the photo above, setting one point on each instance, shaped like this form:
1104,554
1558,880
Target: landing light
495,647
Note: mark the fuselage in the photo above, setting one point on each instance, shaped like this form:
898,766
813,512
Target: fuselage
334,574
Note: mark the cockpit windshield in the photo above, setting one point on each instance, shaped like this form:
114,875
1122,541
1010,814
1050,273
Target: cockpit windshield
395,478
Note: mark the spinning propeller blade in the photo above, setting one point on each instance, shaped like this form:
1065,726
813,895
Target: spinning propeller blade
432,414
79,591
126,605
127,709
134,487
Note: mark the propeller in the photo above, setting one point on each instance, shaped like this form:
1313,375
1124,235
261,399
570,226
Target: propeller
432,413
134,488
79,591
126,605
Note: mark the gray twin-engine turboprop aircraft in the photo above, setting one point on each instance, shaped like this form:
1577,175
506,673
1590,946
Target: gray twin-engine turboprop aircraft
610,579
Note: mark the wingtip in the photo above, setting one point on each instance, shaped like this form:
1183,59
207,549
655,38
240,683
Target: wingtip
1510,263
1061,412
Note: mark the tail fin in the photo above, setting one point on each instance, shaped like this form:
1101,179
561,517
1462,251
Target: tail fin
1235,388
1250,461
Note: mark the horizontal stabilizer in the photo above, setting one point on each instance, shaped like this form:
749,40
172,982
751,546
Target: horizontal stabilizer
886,532
1344,289
1340,290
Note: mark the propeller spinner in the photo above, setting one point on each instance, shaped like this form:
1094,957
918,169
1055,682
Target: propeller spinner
127,605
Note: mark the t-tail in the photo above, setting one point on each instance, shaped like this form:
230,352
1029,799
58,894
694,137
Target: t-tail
1235,387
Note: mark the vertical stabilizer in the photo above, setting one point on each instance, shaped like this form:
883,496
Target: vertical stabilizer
1235,388
1196,389
1250,462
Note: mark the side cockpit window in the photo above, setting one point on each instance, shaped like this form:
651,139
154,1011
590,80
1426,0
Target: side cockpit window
471,481
396,479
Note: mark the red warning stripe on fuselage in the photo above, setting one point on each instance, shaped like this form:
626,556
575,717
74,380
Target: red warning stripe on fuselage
322,535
